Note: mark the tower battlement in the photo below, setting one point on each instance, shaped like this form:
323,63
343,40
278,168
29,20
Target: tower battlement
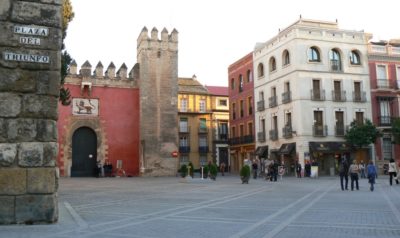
165,42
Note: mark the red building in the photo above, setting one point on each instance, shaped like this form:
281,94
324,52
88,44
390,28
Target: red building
384,70
241,122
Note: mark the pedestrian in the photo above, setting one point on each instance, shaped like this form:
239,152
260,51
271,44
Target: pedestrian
222,168
393,172
362,169
98,169
344,173
371,174
307,168
298,169
255,168
354,174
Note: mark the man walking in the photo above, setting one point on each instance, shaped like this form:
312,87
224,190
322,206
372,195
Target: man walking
344,173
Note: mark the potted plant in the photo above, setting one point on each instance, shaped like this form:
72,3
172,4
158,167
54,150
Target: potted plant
205,171
183,170
213,171
245,174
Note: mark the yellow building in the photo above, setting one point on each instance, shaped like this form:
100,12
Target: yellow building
198,129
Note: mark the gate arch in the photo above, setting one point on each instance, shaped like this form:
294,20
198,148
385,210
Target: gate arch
84,152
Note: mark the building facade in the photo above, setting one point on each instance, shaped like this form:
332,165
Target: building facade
125,119
384,70
312,79
241,121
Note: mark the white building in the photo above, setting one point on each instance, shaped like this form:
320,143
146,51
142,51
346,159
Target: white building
311,81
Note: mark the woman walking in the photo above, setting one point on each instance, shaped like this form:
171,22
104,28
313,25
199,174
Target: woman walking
393,172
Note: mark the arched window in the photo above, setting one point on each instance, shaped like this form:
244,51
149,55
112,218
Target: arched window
285,57
260,70
355,58
249,76
240,83
334,57
232,83
272,64
313,54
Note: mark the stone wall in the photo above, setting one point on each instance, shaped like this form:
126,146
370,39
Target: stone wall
30,50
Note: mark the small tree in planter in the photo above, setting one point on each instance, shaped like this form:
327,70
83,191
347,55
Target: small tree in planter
205,172
245,174
213,171
183,170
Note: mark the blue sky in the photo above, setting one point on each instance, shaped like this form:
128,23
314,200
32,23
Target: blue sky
212,34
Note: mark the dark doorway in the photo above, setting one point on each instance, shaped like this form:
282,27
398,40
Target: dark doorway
223,157
84,156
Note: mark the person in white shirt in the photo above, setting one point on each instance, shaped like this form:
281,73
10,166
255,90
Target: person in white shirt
392,172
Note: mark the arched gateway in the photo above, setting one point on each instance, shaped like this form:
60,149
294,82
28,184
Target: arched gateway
84,152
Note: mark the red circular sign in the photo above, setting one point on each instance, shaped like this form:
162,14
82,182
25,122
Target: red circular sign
174,154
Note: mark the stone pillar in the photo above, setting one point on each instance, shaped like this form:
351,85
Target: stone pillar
30,51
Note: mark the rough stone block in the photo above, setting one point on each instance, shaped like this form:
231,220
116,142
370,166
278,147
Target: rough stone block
41,180
49,83
50,151
3,130
21,130
10,104
4,9
12,181
39,106
8,153
7,208
36,208
46,130
41,14
30,154
17,80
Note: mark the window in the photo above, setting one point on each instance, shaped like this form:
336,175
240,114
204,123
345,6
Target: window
381,76
183,105
384,107
285,58
334,57
250,105
203,160
223,130
233,111
272,64
249,76
223,102
318,124
202,124
202,106
260,70
183,141
183,159
360,118
183,125
250,128
241,108
232,83
387,147
339,127
240,83
313,55
233,132
241,130
355,58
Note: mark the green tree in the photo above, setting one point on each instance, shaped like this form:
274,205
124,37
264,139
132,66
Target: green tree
396,130
360,135
68,15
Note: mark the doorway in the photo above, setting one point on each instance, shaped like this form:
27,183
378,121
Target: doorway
84,153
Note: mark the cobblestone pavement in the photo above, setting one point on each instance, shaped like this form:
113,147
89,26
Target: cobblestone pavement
173,207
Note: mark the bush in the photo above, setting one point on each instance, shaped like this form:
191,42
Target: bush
183,170
245,171
205,171
213,171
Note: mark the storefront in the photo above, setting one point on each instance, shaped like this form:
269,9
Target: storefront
327,155
287,152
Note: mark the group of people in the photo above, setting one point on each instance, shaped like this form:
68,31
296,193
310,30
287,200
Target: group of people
103,170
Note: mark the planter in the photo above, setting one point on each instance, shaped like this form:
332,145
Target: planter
245,179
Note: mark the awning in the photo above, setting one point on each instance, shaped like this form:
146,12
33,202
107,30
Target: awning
262,151
287,148
330,147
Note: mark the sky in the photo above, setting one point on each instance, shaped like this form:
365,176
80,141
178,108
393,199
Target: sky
212,34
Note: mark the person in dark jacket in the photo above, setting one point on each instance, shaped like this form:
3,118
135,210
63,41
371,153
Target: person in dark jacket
371,174
344,173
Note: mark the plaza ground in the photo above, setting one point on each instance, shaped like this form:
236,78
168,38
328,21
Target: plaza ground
169,207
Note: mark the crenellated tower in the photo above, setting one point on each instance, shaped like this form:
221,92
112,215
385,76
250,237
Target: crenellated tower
158,84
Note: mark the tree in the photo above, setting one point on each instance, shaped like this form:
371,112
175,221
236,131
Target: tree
68,15
360,135
396,130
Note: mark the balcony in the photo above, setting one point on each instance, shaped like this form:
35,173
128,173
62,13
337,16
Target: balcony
184,149
359,96
273,134
317,94
261,136
222,137
385,120
339,96
383,83
287,131
339,130
335,66
273,101
320,130
203,149
286,97
241,140
203,130
260,106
